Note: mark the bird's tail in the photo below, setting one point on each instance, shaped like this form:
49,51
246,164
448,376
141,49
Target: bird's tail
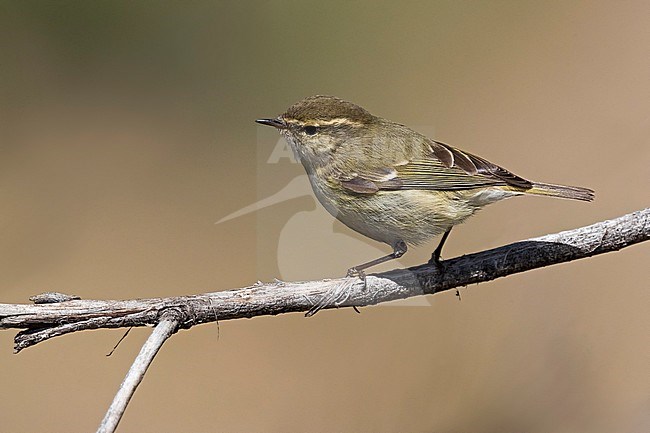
563,191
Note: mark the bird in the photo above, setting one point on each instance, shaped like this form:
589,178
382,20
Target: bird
391,183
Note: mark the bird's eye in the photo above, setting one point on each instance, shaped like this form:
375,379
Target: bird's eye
310,129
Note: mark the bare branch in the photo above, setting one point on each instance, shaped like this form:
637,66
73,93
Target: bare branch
167,325
43,321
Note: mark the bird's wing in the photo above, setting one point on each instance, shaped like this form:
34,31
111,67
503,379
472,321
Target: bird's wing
440,168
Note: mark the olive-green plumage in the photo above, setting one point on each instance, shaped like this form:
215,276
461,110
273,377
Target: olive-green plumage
390,183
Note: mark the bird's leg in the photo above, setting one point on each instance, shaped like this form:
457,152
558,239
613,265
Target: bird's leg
435,257
398,251
336,296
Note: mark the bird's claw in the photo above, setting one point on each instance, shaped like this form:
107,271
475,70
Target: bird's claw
356,273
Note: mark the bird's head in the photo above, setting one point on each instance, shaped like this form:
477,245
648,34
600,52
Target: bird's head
317,126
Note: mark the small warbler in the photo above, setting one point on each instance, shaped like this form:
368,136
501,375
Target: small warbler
390,183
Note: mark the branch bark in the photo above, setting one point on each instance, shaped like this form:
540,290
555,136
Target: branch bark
46,320
163,330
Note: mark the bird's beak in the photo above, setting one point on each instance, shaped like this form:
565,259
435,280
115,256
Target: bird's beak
276,123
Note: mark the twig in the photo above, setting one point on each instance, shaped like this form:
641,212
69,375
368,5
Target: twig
43,321
167,325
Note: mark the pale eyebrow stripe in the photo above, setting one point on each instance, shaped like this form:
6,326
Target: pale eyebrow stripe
336,121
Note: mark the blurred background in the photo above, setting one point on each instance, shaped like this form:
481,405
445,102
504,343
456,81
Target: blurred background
126,132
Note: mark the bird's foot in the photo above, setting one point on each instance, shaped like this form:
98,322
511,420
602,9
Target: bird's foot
357,273
435,260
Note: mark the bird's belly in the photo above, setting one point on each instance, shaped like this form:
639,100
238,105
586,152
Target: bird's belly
412,216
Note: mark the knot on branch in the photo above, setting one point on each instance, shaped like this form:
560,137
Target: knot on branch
184,319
